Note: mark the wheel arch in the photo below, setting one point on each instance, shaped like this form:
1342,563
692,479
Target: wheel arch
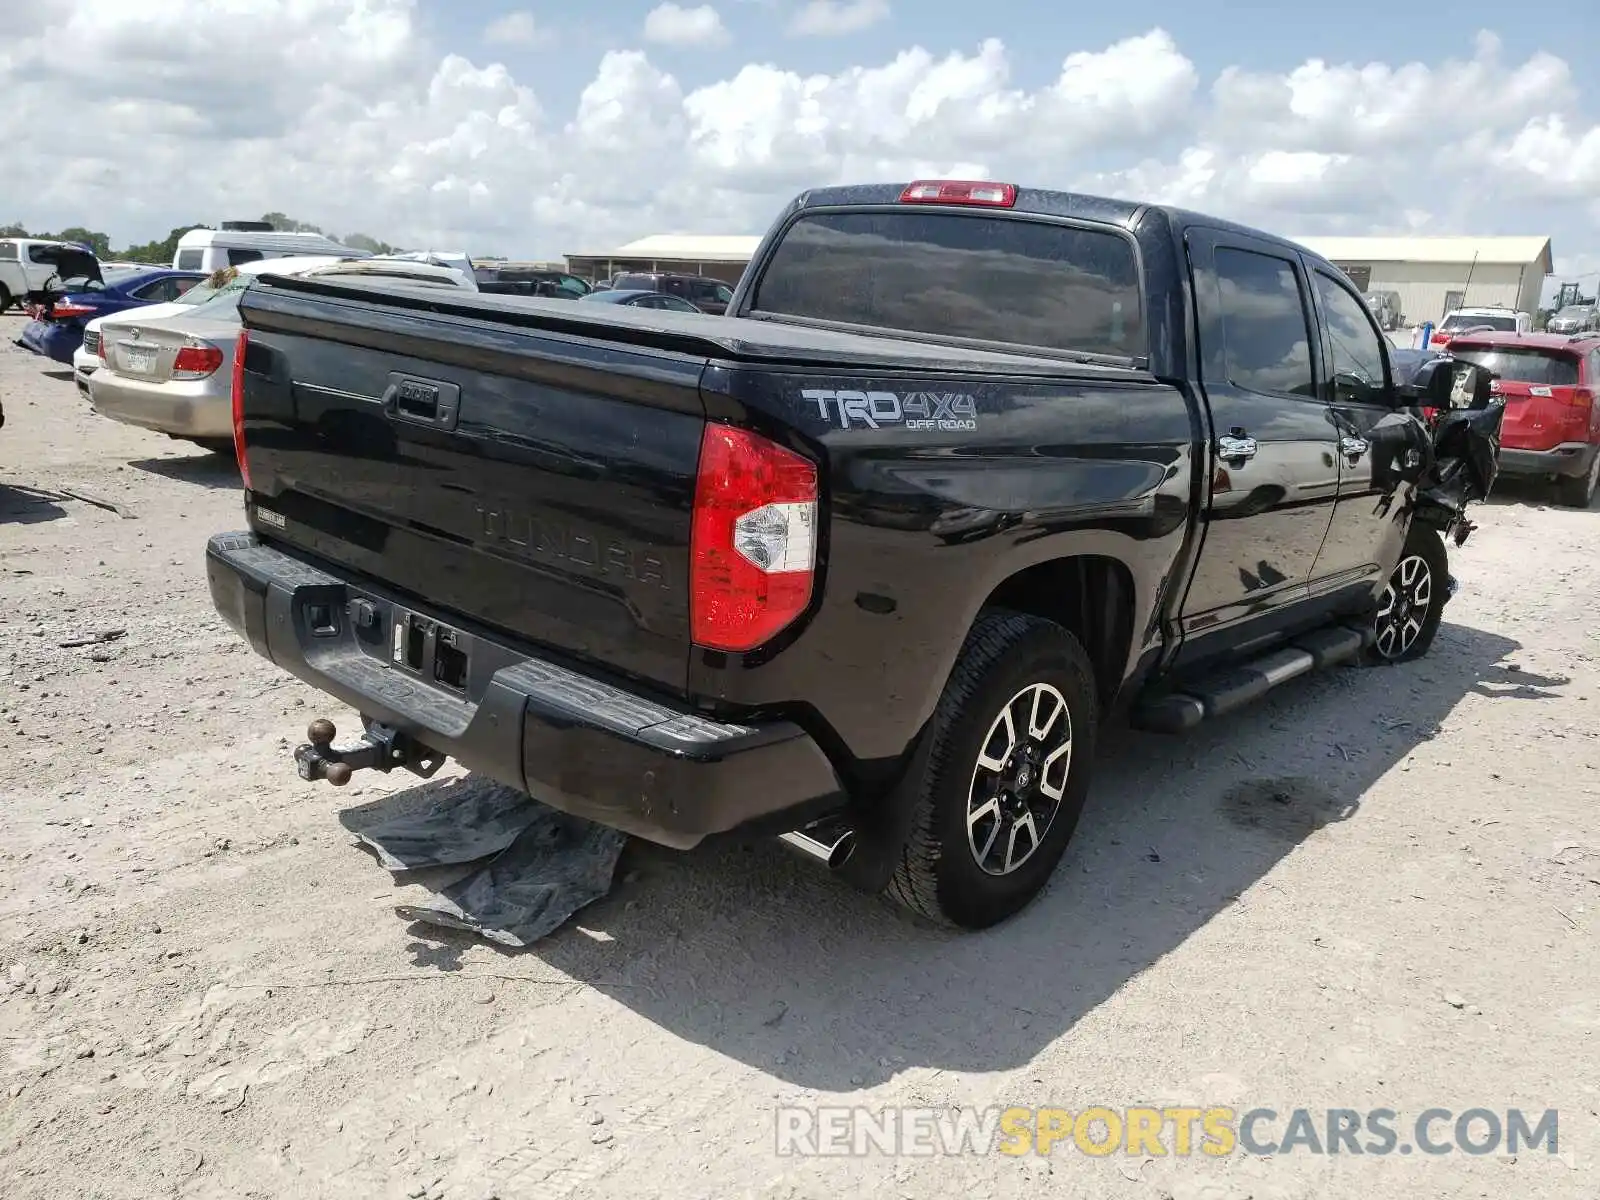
1092,596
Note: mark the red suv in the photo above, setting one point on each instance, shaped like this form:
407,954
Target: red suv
1552,423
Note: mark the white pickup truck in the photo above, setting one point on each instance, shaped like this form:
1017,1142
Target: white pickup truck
26,265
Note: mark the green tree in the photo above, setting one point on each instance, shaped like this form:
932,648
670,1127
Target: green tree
159,252
98,242
287,224
362,241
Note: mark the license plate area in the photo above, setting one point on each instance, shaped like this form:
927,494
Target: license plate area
432,650
141,359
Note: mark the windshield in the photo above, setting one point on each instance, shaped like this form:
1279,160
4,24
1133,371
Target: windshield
1507,321
983,278
1524,364
1574,312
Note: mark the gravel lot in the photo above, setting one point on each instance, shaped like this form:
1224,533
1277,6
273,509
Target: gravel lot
205,990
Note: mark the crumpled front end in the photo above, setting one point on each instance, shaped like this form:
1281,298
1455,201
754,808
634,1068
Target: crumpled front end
1466,463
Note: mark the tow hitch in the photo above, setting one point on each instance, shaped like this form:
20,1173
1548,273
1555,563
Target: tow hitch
379,748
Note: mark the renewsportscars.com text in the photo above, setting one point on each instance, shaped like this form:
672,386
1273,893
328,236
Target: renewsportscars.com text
1215,1132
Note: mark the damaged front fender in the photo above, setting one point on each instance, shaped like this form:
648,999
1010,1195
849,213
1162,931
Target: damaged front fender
1465,448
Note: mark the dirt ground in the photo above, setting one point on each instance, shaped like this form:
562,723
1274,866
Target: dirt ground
1375,889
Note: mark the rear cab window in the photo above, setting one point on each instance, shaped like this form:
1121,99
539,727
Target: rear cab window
8,251
1010,280
1502,322
1524,364
190,260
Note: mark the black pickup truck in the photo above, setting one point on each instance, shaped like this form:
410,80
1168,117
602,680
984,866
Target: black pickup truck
966,470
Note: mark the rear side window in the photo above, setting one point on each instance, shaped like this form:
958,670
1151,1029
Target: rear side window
189,260
1524,364
8,251
988,278
237,258
1265,330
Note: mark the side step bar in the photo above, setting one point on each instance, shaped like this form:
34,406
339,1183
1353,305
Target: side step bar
1212,696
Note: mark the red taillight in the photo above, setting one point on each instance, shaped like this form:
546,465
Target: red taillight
62,309
1580,397
960,191
196,360
100,348
238,405
753,546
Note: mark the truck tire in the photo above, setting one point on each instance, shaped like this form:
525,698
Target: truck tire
1004,781
1577,491
1412,605
5,298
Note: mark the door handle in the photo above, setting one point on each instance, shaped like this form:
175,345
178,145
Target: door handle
1236,445
1352,447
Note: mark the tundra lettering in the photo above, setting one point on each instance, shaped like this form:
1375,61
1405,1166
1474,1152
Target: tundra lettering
532,537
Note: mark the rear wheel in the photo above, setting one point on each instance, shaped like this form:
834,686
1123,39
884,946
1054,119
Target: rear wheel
1578,491
1006,777
1412,605
5,298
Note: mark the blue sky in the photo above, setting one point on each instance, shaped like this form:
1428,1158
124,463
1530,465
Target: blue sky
1256,34
406,120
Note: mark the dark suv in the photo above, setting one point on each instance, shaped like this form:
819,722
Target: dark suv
705,293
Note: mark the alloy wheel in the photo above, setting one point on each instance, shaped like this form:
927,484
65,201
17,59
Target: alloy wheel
1403,607
1019,779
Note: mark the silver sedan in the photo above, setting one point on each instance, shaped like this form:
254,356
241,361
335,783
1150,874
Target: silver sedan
172,374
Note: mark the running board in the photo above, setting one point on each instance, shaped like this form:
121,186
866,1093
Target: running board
1234,687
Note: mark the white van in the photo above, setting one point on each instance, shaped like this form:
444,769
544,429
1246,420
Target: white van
212,249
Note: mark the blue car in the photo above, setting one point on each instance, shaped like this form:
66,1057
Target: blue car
80,292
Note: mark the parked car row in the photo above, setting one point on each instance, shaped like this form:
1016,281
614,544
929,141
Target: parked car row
151,345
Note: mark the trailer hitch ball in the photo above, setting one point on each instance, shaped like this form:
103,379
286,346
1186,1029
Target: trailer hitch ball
321,732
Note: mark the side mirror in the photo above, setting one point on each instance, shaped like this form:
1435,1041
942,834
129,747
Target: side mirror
1446,383
1350,388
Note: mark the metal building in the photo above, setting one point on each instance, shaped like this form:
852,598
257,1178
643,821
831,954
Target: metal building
721,258
1435,274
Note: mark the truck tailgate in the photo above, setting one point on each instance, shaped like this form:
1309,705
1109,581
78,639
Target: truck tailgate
534,484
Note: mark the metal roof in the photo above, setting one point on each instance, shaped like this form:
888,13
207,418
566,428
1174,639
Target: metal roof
1505,251
685,247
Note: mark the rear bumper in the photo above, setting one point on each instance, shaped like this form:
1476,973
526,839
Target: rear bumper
198,408
51,340
1569,458
580,744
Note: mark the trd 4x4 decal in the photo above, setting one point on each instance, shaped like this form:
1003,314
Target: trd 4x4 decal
912,410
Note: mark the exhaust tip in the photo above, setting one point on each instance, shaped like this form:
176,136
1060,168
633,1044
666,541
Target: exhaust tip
830,843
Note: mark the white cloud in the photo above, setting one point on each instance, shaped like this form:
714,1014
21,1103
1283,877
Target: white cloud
517,29
674,25
346,113
833,18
